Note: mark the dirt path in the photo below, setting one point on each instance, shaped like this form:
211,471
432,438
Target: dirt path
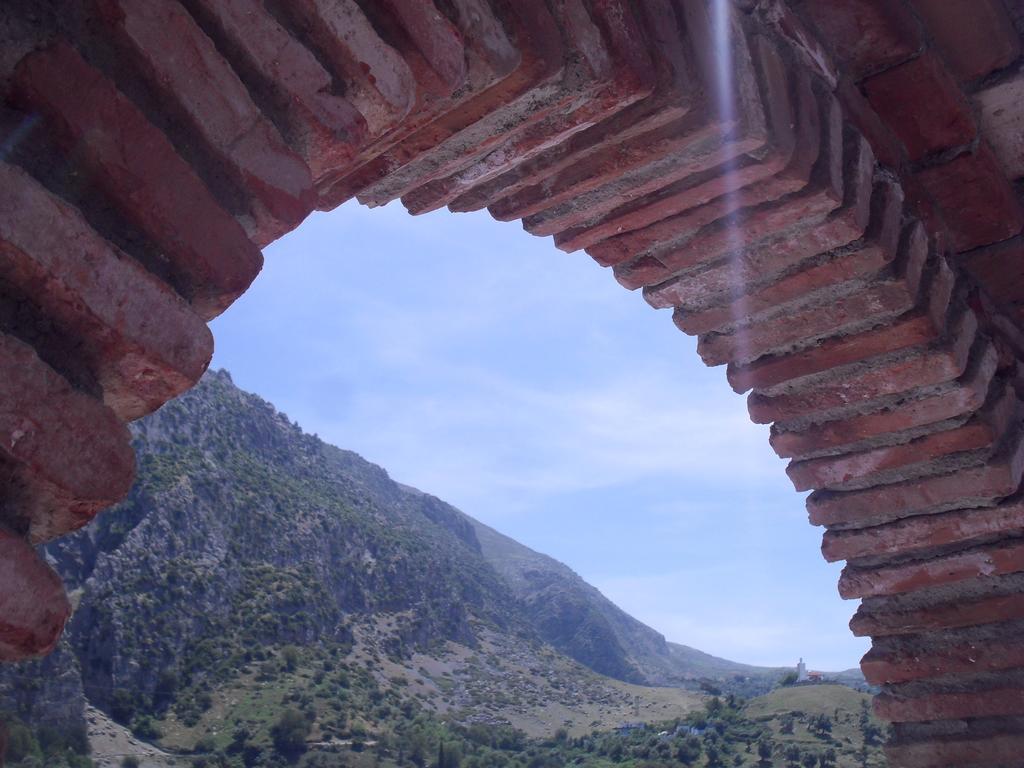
111,743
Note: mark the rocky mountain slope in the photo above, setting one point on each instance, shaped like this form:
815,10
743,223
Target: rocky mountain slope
244,536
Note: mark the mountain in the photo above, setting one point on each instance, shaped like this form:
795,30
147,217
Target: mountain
249,551
578,620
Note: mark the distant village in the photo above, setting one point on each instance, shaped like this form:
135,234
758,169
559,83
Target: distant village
803,677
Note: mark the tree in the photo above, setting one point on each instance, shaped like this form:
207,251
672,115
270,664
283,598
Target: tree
290,731
810,760
689,751
827,759
765,748
290,654
122,706
786,724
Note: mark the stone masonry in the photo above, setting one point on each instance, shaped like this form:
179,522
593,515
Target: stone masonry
827,194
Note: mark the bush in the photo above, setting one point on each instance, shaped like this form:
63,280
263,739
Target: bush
20,742
130,762
122,706
290,731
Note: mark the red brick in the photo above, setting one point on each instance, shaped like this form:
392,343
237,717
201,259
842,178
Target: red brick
866,36
879,250
925,532
939,571
856,109
990,750
974,198
995,480
923,325
587,191
437,39
142,342
954,615
999,269
890,294
181,62
966,397
614,71
882,668
680,209
603,74
679,149
911,330
377,79
923,105
917,369
210,258
949,706
975,36
326,128
71,455
672,98
33,606
834,472
1001,115
517,96
808,236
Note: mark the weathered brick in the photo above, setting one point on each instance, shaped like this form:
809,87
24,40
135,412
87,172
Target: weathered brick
938,571
33,606
436,38
925,532
677,150
324,127
498,176
766,241
612,70
966,396
377,79
974,198
142,343
523,90
999,269
990,702
992,751
181,62
71,455
879,249
998,478
866,36
677,211
953,615
923,325
1001,115
888,295
919,368
856,109
923,104
209,258
586,191
881,667
833,472
975,36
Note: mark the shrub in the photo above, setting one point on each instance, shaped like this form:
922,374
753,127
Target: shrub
290,731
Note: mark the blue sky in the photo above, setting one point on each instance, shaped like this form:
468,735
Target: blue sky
526,387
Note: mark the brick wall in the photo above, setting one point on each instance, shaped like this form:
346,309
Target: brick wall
839,223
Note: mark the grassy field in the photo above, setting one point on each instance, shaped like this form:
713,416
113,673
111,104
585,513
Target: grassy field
847,710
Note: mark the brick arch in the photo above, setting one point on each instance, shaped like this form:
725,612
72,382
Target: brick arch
838,226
